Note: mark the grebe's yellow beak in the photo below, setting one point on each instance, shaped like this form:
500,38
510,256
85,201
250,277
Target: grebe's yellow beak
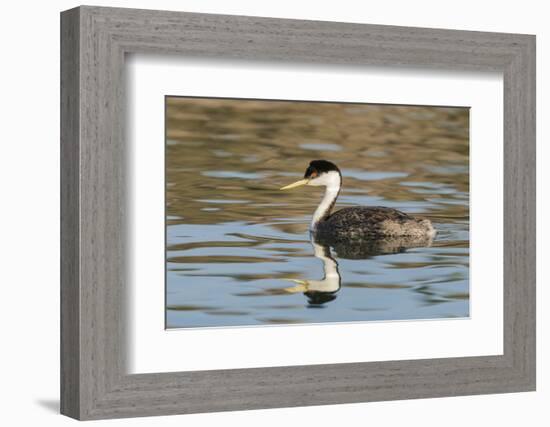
295,184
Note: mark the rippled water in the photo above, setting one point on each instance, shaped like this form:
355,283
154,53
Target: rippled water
238,249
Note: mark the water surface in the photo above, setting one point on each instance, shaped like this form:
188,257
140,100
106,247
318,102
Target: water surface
238,249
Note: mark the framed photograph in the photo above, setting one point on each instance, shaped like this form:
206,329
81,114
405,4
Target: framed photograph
262,213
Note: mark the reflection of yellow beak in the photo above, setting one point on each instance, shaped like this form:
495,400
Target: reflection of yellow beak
295,184
302,286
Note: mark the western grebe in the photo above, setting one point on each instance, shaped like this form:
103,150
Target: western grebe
356,222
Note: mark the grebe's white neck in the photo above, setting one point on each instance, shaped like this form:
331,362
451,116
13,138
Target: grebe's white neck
333,182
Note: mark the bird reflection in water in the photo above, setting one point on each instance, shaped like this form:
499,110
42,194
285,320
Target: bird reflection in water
320,292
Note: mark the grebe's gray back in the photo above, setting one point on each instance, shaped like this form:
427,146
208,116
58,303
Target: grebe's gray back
355,222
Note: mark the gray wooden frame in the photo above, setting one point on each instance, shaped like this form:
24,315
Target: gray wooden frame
94,41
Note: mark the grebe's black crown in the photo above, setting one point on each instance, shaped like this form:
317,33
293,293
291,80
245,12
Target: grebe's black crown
317,167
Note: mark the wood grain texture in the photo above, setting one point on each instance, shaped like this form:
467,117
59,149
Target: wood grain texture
70,258
94,382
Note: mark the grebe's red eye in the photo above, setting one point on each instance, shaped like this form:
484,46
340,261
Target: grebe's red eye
311,173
